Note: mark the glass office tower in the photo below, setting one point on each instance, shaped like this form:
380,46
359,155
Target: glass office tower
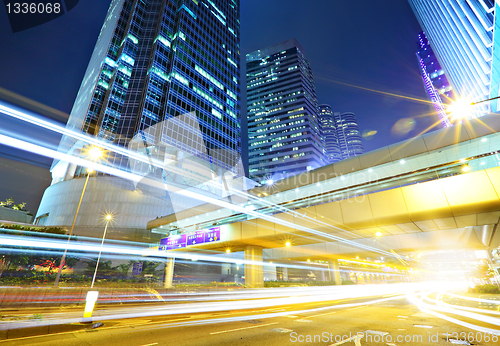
435,82
348,134
157,59
283,129
461,35
166,74
331,147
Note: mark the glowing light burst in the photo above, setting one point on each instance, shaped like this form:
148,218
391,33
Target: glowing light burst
460,110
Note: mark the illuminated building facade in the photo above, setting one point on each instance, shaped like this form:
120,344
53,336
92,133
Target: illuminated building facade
329,134
461,35
284,134
435,82
348,134
156,61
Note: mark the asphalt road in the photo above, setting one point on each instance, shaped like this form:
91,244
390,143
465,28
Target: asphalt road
388,322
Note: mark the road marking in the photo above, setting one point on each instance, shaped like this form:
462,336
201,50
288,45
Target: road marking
402,316
364,306
357,341
151,344
327,313
303,320
376,332
401,329
421,326
292,316
235,330
281,330
402,319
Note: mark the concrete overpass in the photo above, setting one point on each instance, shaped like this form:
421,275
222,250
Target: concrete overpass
439,190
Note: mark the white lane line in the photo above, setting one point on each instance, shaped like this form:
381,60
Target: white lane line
421,326
326,313
402,316
357,341
235,330
151,344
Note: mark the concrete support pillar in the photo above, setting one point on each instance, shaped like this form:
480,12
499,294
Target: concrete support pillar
323,276
270,273
179,157
284,273
334,270
254,273
169,272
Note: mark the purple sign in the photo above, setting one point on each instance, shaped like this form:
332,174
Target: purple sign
213,234
182,240
176,242
196,238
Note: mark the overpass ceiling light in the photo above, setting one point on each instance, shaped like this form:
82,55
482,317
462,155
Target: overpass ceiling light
318,184
484,139
378,234
465,168
308,260
463,160
297,189
357,257
288,244
342,178
228,250
402,162
370,170
483,163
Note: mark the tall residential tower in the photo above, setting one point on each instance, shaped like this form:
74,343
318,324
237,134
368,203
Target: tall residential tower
348,134
329,134
284,134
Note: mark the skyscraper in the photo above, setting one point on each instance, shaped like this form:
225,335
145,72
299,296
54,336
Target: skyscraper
348,134
329,134
461,35
435,81
165,73
284,135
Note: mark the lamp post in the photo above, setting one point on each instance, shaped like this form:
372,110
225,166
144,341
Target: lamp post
95,153
108,218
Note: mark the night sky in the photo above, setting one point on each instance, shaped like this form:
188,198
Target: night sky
362,53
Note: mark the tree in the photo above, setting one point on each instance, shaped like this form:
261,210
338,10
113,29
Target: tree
8,202
19,206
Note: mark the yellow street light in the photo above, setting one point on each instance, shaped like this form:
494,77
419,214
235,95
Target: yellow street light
465,168
378,234
288,244
228,250
95,153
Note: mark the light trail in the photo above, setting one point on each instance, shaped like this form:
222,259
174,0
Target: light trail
259,300
23,145
436,308
78,247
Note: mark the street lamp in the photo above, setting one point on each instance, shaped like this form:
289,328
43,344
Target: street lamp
108,218
95,153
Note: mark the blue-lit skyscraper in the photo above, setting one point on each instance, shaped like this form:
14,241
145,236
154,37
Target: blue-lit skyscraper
348,134
284,135
329,134
164,74
435,82
461,35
